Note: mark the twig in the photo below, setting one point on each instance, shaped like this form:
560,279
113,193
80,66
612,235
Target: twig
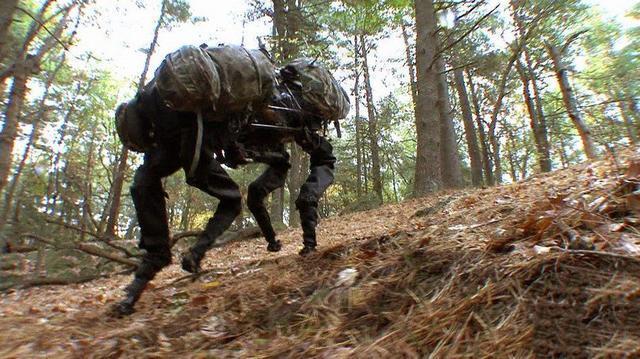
464,35
44,27
458,67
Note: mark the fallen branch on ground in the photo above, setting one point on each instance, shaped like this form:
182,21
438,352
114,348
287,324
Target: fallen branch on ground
35,282
83,247
104,239
229,236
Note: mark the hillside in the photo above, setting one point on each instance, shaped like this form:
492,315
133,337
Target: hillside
548,266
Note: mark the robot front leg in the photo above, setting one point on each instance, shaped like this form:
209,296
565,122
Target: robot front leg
212,179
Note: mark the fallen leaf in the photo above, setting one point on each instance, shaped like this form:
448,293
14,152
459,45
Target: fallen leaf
212,284
200,300
347,277
541,249
633,172
215,327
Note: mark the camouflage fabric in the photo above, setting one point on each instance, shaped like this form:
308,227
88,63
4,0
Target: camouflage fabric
318,88
247,77
187,80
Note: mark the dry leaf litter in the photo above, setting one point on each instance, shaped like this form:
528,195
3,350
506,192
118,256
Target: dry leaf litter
545,267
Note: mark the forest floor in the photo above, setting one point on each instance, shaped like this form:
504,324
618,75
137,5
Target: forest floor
545,267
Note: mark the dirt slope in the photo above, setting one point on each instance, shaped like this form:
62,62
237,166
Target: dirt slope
549,266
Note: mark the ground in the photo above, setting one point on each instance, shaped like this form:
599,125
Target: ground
545,267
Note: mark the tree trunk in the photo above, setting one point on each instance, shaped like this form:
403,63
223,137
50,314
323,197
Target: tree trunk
11,190
296,178
450,170
373,125
427,170
543,131
7,10
523,166
495,151
24,67
487,162
286,23
536,111
185,216
411,67
628,123
633,109
510,150
87,194
539,131
570,102
469,129
277,206
10,130
115,193
356,95
53,188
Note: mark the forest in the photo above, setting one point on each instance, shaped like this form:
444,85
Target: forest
446,97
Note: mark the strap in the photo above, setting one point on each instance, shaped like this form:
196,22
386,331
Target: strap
255,66
196,154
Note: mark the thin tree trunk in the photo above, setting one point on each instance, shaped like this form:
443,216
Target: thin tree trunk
628,123
11,190
523,166
536,111
411,67
277,206
564,160
53,189
10,130
427,170
539,132
469,129
356,94
633,109
286,23
88,187
7,10
373,125
24,68
115,194
487,162
186,211
450,170
570,101
511,149
495,151
501,89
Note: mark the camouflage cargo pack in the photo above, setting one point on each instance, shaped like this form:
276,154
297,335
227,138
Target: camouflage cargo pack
224,78
187,80
318,88
247,77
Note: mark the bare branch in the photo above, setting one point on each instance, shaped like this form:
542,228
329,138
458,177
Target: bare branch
466,33
83,247
571,39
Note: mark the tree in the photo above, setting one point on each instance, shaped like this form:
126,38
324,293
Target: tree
27,64
373,134
171,11
560,68
427,167
473,148
533,103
